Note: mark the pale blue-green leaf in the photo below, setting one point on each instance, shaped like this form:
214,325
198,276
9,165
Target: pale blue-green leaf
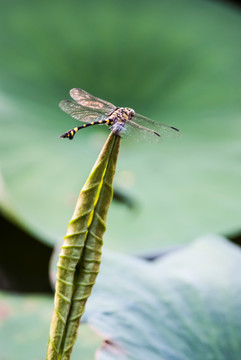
184,306
24,327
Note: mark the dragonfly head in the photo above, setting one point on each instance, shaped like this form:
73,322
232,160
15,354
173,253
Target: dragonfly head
130,113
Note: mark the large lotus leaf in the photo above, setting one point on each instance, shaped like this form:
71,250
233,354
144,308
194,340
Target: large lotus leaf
24,328
176,62
185,305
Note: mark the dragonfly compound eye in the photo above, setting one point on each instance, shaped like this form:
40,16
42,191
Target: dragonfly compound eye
131,114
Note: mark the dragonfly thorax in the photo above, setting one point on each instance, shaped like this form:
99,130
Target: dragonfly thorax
119,117
122,114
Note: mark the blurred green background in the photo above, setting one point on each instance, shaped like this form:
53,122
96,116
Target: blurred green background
176,62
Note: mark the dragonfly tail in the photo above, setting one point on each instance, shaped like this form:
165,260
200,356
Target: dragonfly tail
71,133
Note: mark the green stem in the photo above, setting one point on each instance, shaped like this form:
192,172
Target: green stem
80,256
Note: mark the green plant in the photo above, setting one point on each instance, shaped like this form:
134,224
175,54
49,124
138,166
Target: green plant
176,62
80,256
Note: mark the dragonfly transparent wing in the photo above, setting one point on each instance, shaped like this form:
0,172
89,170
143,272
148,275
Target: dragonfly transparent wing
81,113
148,130
91,102
139,132
150,126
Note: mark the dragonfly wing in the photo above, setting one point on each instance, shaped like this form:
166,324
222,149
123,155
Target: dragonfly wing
81,113
141,133
91,102
162,129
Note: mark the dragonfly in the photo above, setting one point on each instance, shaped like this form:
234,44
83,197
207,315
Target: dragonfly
94,111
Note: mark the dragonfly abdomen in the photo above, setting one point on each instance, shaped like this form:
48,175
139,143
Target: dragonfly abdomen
71,133
116,120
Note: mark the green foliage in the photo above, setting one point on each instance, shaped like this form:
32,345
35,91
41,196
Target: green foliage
186,305
25,325
176,62
80,255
